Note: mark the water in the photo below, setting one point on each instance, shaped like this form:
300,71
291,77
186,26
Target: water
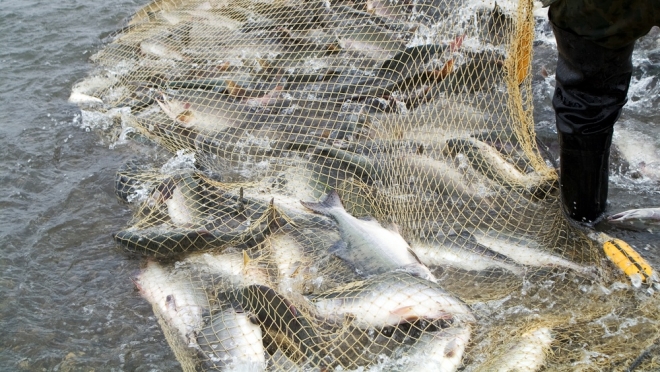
66,298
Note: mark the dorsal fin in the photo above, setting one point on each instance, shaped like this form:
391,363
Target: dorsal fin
331,201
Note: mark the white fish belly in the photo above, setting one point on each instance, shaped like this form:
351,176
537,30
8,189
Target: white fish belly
392,306
528,354
173,298
439,351
233,341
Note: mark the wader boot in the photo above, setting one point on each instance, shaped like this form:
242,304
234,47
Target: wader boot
591,87
583,175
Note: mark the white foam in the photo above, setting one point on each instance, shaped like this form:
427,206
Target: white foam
640,150
183,160
101,120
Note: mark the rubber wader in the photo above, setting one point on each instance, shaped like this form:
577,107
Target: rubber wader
591,87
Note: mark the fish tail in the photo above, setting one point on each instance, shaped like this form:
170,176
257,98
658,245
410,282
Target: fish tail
331,201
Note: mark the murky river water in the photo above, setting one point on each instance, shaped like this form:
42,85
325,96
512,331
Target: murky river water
66,298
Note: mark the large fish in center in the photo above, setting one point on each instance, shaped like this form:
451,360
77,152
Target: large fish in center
369,247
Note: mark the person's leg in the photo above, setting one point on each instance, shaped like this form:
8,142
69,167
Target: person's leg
591,87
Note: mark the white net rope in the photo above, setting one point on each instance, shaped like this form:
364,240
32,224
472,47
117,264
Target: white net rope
354,185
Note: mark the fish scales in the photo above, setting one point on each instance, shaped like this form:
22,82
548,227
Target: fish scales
370,248
233,342
174,299
439,351
462,253
390,299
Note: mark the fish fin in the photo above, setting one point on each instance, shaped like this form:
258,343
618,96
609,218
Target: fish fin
484,251
165,108
405,312
164,190
246,259
331,201
418,270
297,270
392,226
414,255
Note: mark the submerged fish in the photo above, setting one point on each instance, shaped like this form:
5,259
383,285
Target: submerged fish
153,48
237,268
646,219
369,247
277,315
231,341
527,353
529,253
462,253
390,299
182,196
292,264
84,99
371,41
174,299
490,163
197,114
164,242
438,351
437,176
131,183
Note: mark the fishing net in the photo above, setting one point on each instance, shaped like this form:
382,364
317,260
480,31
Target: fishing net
397,124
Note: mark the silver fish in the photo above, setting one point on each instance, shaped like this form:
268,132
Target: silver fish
292,264
462,253
390,299
278,316
438,351
369,247
174,299
84,99
645,219
291,207
158,50
372,41
529,253
195,113
88,90
236,268
527,353
181,195
438,176
232,342
490,162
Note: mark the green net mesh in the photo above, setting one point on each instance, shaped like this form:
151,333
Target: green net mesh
430,236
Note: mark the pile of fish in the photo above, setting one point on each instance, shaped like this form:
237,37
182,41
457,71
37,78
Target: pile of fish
274,304
273,282
351,187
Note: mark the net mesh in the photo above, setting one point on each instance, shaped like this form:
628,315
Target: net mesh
430,236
